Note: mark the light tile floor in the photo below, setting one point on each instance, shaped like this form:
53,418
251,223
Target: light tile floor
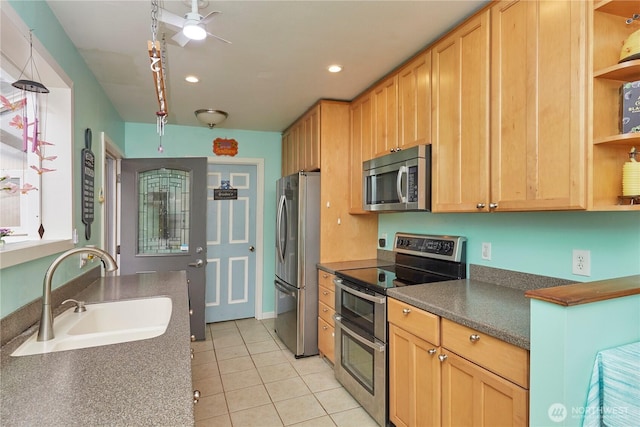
247,377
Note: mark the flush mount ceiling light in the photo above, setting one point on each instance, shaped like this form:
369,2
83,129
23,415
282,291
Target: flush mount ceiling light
335,68
193,29
192,79
211,117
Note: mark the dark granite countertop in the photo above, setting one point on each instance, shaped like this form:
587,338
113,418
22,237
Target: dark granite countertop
145,382
499,311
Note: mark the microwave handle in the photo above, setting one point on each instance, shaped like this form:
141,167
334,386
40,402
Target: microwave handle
401,197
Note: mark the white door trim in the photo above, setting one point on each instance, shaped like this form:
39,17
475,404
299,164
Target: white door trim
109,148
259,163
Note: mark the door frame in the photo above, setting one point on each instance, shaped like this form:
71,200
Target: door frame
259,163
110,178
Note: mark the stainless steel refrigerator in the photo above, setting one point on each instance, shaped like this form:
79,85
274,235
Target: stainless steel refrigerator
297,254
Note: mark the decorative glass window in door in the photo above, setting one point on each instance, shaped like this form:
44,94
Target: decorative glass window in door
163,211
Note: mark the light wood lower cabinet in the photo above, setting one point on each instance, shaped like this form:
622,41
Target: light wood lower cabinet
326,310
445,374
414,380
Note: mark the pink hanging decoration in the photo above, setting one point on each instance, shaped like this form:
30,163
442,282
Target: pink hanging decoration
25,126
34,146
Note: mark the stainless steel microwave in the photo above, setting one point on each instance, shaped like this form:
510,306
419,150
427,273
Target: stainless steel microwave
400,181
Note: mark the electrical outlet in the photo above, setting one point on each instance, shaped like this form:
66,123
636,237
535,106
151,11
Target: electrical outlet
486,251
581,262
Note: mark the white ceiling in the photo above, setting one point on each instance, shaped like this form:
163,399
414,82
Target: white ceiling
275,67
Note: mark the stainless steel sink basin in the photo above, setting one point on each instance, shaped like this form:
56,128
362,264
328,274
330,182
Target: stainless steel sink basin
103,324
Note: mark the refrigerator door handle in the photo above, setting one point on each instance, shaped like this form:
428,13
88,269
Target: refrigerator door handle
283,288
281,210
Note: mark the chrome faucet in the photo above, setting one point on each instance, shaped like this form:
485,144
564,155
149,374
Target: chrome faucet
45,332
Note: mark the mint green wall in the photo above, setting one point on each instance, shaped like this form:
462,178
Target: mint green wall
22,283
564,343
535,242
179,141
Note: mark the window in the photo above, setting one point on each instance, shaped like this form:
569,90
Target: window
51,205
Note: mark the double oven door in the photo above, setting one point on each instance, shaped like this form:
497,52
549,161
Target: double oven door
361,347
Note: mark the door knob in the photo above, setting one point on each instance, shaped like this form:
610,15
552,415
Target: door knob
199,263
251,248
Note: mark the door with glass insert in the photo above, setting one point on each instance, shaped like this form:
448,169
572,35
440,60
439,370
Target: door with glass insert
164,223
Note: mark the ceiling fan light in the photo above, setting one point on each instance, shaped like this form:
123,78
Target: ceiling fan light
193,30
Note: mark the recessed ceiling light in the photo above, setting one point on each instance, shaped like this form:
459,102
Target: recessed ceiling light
192,79
335,68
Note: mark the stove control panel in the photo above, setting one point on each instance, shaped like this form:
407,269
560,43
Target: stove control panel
449,248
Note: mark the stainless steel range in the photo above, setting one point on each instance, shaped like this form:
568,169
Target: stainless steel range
361,311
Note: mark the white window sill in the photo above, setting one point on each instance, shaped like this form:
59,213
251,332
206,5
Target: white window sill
18,253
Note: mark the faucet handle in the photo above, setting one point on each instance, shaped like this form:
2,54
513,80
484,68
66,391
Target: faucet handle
80,308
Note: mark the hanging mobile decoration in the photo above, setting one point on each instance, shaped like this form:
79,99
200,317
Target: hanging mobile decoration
29,101
158,63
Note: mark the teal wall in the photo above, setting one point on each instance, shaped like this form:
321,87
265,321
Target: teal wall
535,242
22,283
178,141
564,344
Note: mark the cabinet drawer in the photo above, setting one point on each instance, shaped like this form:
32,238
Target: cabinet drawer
502,358
326,343
326,279
414,320
327,297
326,313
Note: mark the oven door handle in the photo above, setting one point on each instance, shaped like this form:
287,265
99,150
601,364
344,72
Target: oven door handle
376,300
372,345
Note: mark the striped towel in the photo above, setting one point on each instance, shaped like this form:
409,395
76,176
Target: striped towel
614,392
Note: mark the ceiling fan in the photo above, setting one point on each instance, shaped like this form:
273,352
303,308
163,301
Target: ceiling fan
193,25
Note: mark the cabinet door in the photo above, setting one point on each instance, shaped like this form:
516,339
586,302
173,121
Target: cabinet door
326,340
311,124
385,116
539,91
359,150
460,118
414,102
414,380
474,396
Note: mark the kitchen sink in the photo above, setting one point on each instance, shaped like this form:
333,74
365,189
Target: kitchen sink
102,324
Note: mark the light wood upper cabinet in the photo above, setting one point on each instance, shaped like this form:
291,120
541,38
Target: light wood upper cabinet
360,149
385,116
538,105
460,118
301,144
414,102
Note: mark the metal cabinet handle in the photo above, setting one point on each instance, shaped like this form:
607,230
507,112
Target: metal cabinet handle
196,396
193,338
325,309
406,311
199,263
325,293
442,357
325,327
324,276
474,338
480,206
493,205
432,351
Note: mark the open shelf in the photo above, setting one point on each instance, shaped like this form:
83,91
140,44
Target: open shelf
628,139
619,8
624,72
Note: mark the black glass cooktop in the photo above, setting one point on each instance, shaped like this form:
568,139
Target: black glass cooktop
379,279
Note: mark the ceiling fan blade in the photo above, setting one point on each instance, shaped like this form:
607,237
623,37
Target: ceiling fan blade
180,38
171,18
209,16
217,37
